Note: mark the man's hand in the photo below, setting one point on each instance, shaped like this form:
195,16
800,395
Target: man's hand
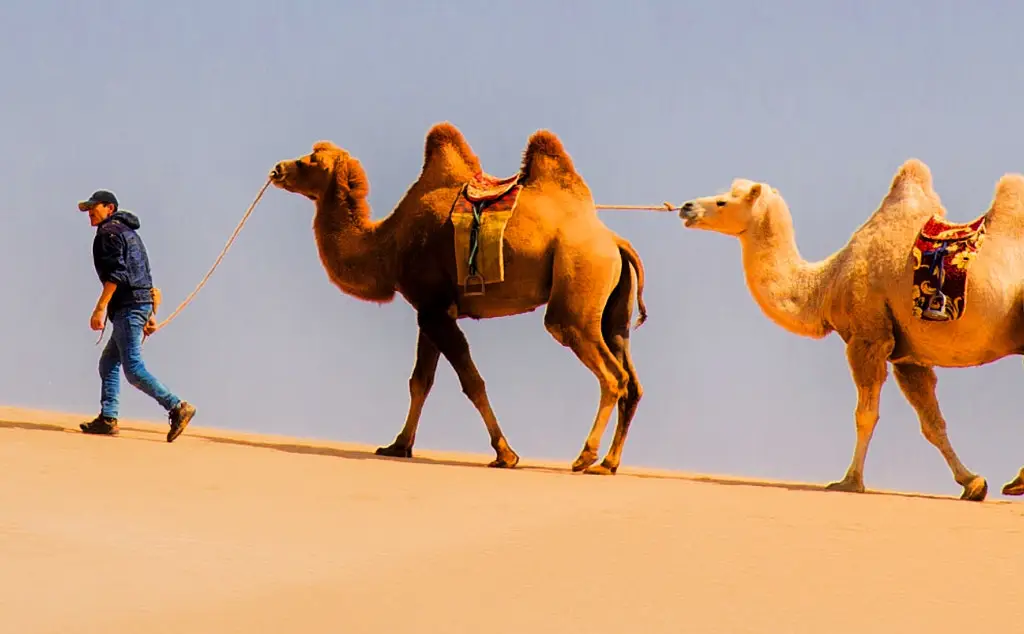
150,326
97,319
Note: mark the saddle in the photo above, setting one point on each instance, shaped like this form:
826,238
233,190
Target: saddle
942,252
486,188
479,216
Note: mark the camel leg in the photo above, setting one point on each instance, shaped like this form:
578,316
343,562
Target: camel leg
617,319
627,409
918,386
451,342
590,348
868,364
420,382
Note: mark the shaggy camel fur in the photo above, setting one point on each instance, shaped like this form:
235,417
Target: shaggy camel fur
557,252
864,292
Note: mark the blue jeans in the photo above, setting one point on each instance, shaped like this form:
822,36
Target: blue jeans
124,349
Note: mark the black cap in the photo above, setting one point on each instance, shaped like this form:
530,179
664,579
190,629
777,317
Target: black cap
99,196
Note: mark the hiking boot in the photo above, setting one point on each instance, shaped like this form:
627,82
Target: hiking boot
179,417
101,425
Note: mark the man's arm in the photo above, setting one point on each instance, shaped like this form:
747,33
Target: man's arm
113,271
110,259
108,292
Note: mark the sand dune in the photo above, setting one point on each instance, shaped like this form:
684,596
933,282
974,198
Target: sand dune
224,532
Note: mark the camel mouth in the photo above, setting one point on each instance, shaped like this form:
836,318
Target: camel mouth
278,176
690,214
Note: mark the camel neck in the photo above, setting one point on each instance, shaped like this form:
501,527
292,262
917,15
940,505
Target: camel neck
788,289
354,249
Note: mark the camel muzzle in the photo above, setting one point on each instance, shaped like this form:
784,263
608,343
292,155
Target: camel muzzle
277,173
689,213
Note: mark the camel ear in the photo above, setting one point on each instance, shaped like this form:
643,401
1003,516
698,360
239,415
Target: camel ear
320,146
754,192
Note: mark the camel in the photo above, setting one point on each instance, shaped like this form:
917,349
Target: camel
553,250
888,296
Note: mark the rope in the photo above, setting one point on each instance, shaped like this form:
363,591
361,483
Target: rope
202,282
666,206
216,262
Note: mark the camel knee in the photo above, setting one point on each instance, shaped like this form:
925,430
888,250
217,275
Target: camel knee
634,391
617,384
419,386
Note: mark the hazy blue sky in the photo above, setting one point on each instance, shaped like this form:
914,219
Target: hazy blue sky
181,108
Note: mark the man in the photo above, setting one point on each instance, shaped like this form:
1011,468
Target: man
122,265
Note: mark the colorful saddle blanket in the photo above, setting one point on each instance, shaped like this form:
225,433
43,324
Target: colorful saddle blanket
942,254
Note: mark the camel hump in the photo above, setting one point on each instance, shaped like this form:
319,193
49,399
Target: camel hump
1009,194
545,157
443,136
913,172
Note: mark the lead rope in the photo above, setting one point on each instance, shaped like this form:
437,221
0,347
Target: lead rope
216,263
666,206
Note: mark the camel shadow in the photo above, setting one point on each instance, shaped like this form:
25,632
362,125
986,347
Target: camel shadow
356,454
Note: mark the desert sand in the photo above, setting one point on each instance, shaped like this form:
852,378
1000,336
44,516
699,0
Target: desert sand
228,532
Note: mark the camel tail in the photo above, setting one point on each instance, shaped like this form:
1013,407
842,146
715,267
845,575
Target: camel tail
627,250
545,158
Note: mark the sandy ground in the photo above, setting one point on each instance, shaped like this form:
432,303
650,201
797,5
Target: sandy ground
224,532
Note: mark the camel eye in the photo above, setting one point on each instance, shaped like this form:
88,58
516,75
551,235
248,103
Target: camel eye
720,203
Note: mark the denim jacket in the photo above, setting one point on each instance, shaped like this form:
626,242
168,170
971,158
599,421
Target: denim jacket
119,256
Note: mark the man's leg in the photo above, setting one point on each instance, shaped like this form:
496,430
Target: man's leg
110,380
129,342
110,388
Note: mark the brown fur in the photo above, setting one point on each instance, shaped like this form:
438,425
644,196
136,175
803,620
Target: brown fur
863,292
559,254
545,159
444,135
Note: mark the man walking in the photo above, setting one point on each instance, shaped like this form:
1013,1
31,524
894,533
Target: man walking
122,265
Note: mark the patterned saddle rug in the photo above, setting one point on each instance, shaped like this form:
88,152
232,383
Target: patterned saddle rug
480,213
942,254
486,188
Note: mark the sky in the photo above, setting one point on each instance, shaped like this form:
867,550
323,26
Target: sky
182,108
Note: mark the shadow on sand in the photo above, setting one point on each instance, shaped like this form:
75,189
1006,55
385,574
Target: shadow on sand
355,454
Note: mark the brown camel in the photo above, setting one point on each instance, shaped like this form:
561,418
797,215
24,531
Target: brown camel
551,249
909,288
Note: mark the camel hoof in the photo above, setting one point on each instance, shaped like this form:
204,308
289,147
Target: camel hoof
975,490
506,462
601,469
1015,487
847,486
394,451
584,461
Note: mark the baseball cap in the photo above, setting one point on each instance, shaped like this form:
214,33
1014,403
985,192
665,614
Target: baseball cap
98,196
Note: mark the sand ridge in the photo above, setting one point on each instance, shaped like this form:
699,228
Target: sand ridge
233,532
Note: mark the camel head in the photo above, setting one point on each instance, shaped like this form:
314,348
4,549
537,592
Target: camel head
730,213
315,174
